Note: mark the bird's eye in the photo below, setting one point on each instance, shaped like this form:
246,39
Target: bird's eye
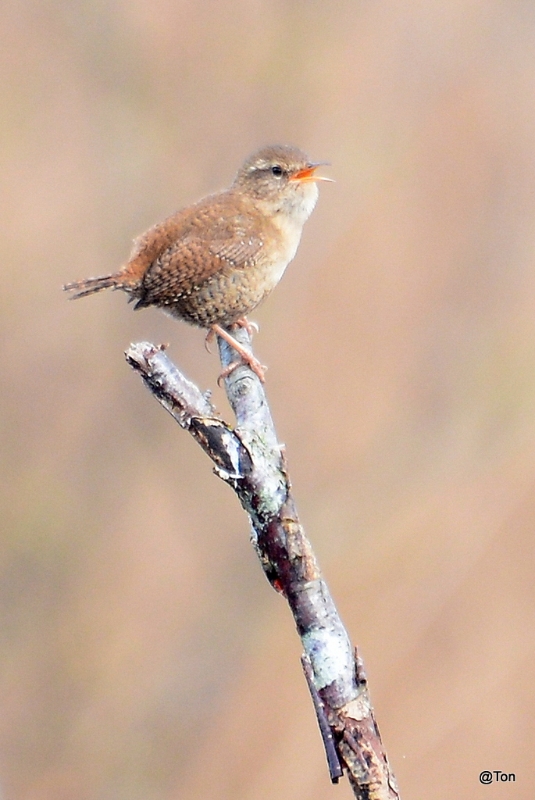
276,170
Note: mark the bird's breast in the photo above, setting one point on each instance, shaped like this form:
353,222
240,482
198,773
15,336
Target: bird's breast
288,236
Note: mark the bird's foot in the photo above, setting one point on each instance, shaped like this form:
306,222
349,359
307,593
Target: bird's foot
247,357
250,327
253,364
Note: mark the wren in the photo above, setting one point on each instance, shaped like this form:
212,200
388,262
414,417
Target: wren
212,263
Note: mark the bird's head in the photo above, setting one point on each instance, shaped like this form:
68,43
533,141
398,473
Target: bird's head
282,179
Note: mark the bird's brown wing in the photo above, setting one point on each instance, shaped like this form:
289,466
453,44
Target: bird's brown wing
241,250
188,263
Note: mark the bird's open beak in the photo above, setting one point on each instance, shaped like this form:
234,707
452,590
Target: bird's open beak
307,174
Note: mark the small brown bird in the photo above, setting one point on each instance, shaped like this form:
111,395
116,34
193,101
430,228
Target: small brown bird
213,262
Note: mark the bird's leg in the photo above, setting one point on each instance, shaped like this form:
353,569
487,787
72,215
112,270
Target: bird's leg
242,322
247,357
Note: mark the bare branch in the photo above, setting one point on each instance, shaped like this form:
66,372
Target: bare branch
249,458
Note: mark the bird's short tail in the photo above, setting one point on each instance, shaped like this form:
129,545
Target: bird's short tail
92,285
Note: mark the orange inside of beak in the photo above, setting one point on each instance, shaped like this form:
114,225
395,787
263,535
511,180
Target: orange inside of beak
307,175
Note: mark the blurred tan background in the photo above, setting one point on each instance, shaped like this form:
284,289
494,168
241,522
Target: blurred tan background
143,654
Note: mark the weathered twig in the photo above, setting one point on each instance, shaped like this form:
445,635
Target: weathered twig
248,457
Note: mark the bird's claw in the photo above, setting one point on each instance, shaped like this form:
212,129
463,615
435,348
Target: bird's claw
210,336
253,364
250,327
